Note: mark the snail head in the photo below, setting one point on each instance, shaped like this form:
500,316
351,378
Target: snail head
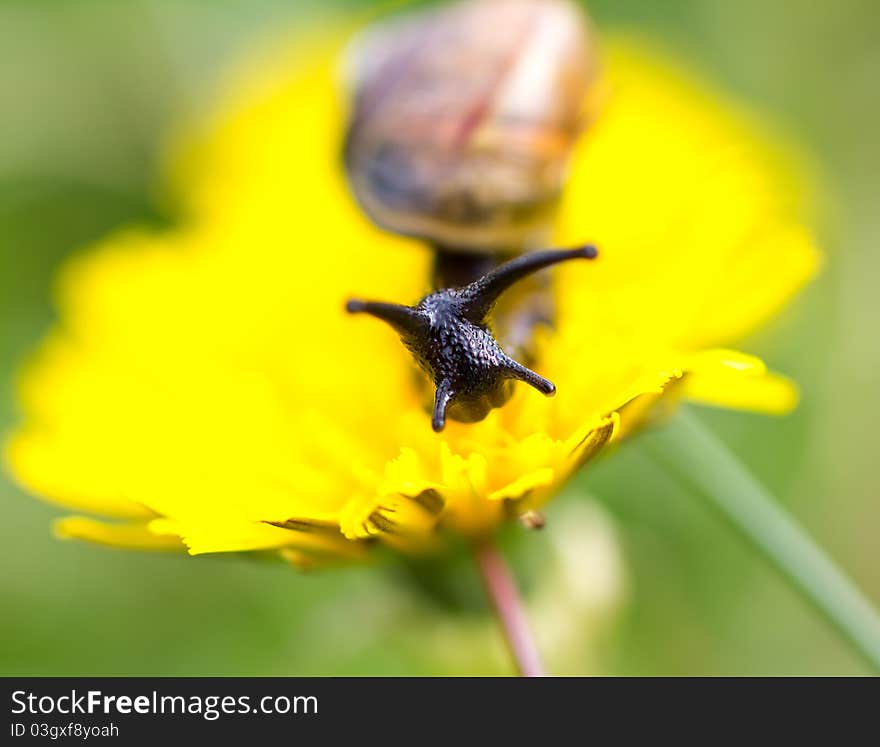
449,336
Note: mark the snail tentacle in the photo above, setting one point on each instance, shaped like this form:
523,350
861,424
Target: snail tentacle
521,373
480,296
442,399
405,319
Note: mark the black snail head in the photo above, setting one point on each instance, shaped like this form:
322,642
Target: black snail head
448,334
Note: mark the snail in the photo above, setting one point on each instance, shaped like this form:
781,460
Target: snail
462,122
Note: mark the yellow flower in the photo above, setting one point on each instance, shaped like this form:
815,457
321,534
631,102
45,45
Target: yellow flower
204,387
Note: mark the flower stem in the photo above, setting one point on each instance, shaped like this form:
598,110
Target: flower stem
502,592
693,453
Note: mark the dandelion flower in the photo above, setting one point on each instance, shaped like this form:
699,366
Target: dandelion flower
205,390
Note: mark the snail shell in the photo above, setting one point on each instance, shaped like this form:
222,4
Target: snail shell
463,119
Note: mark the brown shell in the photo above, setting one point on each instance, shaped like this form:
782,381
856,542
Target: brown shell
463,119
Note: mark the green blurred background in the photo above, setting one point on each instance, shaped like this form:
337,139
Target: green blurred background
633,575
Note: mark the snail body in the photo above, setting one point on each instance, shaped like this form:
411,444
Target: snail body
462,122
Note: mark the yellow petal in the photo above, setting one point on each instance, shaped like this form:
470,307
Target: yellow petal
223,534
699,214
129,535
729,379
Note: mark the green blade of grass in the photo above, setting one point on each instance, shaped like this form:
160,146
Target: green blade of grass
698,458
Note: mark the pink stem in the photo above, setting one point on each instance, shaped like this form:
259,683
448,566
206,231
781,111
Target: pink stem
502,591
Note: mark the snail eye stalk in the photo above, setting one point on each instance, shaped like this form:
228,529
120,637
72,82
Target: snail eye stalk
480,296
448,335
405,319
